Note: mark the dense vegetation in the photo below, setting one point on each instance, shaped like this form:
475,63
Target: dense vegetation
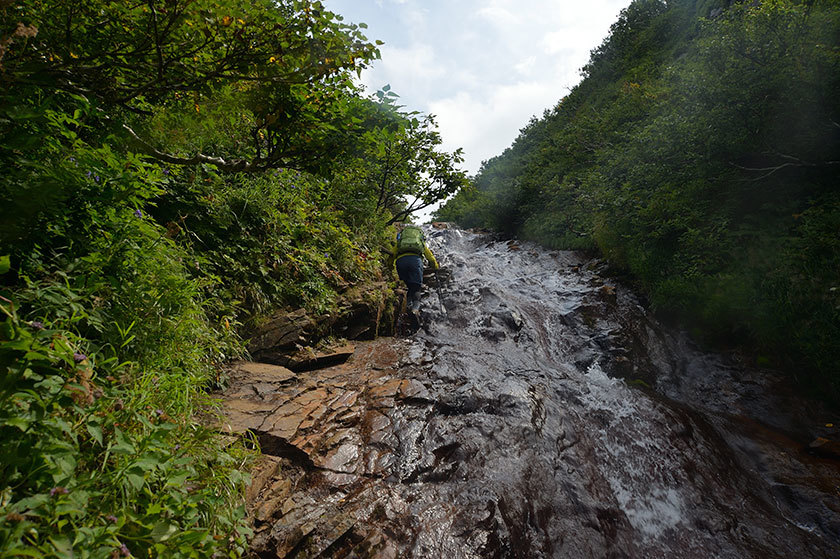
170,170
700,153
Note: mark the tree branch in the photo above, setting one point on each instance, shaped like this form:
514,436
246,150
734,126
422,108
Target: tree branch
793,162
233,165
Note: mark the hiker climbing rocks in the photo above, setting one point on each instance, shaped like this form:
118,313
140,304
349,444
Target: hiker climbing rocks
408,253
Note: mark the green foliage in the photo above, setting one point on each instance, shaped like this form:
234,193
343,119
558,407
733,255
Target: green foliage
287,65
267,240
172,170
700,153
398,167
90,464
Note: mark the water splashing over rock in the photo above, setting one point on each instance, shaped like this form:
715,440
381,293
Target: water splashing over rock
510,426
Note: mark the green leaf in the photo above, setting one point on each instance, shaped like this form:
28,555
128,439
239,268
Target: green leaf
122,446
5,264
24,552
135,480
29,504
177,481
66,465
7,330
80,498
95,430
75,503
20,422
148,463
62,546
163,531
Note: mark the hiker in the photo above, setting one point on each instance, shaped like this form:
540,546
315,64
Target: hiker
408,253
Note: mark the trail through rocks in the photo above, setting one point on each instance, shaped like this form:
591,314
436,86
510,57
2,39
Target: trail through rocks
542,412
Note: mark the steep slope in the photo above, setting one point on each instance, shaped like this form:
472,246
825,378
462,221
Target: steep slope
501,430
699,154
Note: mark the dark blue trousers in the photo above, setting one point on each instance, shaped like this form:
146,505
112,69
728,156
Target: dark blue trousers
410,270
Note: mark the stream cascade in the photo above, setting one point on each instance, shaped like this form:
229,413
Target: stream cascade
541,411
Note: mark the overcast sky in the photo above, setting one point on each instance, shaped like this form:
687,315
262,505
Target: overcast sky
482,67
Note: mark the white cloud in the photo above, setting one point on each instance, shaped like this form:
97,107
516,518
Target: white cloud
499,15
407,70
485,126
484,67
554,42
526,66
416,19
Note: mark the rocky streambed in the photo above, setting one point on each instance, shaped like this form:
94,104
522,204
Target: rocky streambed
540,411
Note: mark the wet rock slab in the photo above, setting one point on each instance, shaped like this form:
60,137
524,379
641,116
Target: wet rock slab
496,431
326,437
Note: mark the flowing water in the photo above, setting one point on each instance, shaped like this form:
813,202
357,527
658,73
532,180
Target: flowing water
550,415
560,458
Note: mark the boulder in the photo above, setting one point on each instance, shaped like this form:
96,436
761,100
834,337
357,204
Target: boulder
287,337
309,359
366,312
282,330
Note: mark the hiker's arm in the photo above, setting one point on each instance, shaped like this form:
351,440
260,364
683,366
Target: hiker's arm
430,257
391,251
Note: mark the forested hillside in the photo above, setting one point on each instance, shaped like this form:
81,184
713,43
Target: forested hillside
170,171
700,153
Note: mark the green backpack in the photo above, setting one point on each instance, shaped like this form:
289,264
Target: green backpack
410,239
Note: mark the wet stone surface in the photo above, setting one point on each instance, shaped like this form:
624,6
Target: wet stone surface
543,413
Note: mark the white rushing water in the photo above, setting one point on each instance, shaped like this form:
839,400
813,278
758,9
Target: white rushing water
534,362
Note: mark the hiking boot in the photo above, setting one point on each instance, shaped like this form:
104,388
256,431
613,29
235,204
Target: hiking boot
414,320
414,302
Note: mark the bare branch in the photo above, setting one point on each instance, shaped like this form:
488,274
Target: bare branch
770,170
234,165
401,215
796,162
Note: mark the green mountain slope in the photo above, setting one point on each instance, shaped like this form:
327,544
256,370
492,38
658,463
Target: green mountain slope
701,154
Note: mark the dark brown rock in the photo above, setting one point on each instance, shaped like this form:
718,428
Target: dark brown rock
413,389
261,372
282,425
309,359
388,389
825,447
242,415
366,312
262,475
608,293
310,530
287,338
282,330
